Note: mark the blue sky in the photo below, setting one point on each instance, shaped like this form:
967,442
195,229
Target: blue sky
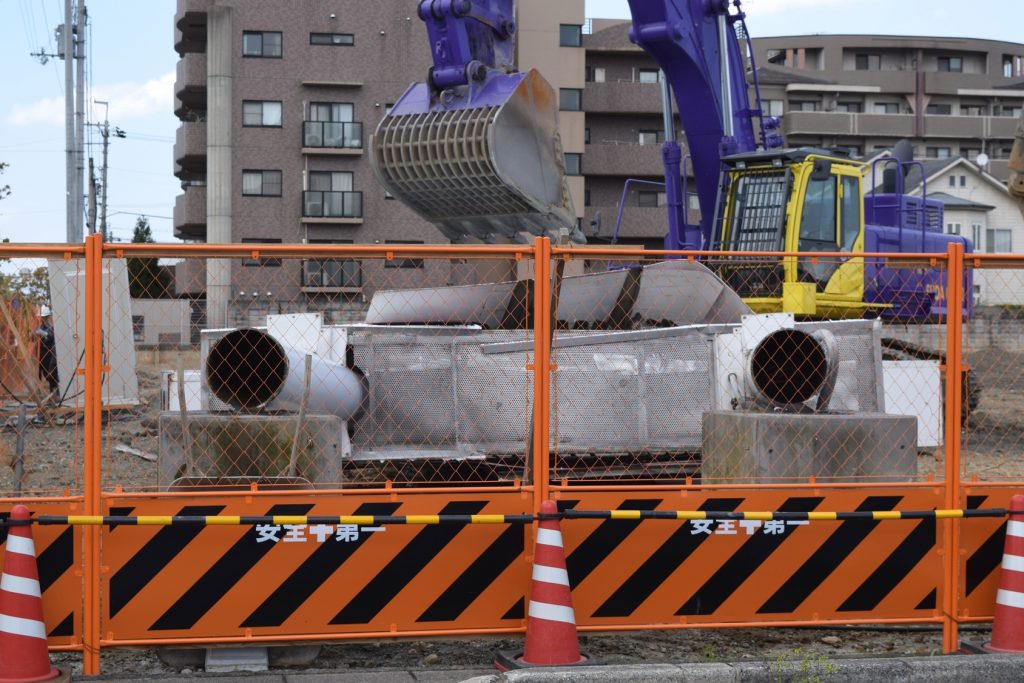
133,63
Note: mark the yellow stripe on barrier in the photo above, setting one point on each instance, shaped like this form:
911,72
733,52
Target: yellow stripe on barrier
949,514
359,520
691,514
85,519
822,516
625,514
487,519
886,514
422,519
155,520
224,520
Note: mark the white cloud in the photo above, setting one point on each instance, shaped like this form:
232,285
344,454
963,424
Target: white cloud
127,101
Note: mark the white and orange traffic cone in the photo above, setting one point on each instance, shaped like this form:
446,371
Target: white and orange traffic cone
551,638
1008,622
23,654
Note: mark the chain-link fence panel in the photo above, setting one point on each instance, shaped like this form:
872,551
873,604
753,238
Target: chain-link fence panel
993,355
325,367
42,315
746,369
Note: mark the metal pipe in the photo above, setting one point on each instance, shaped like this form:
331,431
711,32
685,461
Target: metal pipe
250,369
790,366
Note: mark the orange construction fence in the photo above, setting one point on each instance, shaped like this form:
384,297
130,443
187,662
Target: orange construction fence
473,410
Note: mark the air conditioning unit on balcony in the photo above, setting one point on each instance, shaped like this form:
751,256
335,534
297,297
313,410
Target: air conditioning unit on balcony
314,140
314,207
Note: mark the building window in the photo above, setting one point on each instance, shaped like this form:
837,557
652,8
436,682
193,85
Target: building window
999,241
573,163
260,113
652,137
330,124
586,136
261,183
1007,66
953,228
586,197
1006,110
853,150
772,107
805,105
570,99
940,109
952,181
650,75
970,152
867,62
963,181
976,236
887,108
850,107
139,328
261,44
972,110
776,56
570,35
332,273
330,195
404,262
937,152
268,262
331,39
954,64
595,74
650,198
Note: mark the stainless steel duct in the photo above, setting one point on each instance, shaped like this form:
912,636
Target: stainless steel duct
790,366
250,369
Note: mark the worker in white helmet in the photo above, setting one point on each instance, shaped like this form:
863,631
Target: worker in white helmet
47,352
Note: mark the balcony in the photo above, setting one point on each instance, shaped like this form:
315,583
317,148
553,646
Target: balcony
190,151
637,221
190,84
623,159
345,208
190,26
623,97
190,214
836,123
332,137
332,276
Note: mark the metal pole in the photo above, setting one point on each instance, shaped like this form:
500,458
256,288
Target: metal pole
80,122
723,49
103,169
69,123
92,198
954,397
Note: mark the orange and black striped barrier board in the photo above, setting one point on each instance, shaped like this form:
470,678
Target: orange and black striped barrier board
263,580
981,551
730,570
59,562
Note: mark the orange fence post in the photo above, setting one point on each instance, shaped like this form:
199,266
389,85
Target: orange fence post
93,405
954,381
541,369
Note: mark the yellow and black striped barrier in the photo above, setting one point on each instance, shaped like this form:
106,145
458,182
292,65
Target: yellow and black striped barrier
382,520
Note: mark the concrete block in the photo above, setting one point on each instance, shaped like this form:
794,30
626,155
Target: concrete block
790,447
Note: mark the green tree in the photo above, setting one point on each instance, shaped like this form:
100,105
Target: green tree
146,279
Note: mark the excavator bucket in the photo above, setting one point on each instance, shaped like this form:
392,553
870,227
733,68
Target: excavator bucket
483,164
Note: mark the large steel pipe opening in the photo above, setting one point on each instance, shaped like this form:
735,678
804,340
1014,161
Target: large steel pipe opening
250,369
789,367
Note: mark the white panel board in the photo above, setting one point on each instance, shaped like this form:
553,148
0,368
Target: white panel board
914,387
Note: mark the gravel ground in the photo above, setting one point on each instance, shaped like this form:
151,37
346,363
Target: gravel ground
53,462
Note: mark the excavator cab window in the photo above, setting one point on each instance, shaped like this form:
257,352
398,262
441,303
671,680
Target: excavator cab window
818,226
849,217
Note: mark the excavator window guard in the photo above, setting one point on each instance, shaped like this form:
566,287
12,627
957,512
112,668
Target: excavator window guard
756,216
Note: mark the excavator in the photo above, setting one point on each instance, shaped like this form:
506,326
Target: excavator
475,150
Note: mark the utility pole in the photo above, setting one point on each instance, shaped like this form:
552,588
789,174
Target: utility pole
105,133
91,222
69,122
80,120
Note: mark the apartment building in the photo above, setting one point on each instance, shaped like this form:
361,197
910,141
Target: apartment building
951,97
277,102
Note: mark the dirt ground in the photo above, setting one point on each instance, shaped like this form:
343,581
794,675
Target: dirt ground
811,648
53,457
